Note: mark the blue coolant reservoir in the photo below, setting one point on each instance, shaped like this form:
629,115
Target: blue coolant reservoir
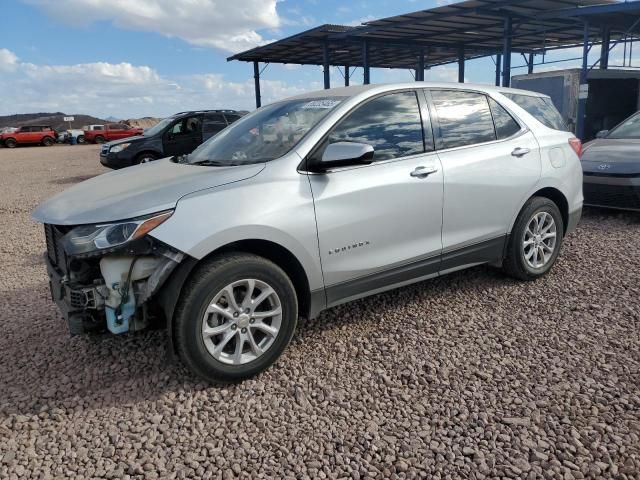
119,322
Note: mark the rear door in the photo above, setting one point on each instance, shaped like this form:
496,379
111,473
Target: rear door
34,135
183,136
490,163
379,225
212,123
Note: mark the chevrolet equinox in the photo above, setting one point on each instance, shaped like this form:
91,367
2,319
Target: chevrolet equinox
308,203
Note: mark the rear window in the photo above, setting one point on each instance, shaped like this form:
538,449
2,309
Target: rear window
541,108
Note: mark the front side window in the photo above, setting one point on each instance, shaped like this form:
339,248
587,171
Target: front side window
391,124
264,135
506,126
464,118
541,108
630,128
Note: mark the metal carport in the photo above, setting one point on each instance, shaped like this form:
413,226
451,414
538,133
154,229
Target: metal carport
459,32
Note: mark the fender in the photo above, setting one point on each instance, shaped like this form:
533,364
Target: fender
543,182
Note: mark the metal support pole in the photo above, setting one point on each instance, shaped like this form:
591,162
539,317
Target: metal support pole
461,65
498,68
530,64
604,49
584,85
346,75
506,53
365,62
256,80
325,62
420,69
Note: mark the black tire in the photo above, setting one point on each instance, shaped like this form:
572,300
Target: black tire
197,294
145,157
80,139
515,263
99,139
10,143
47,141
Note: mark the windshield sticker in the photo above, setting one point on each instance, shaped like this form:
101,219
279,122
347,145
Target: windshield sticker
320,104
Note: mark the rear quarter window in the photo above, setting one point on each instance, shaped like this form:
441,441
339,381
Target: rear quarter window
541,108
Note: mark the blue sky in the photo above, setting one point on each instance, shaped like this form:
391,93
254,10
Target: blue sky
153,57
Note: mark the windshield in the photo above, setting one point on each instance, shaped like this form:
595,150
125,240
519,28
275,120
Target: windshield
264,135
158,127
630,128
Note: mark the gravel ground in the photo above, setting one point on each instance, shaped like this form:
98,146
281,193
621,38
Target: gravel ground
470,376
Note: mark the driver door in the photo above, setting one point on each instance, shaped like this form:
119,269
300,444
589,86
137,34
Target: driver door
183,136
380,225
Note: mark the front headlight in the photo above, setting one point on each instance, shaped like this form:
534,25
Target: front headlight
118,148
91,238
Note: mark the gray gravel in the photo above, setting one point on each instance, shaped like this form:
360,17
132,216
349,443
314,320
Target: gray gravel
470,376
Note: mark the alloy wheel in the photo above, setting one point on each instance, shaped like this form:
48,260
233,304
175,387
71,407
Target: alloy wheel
540,240
242,321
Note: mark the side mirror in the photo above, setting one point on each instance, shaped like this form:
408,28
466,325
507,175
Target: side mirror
345,154
602,134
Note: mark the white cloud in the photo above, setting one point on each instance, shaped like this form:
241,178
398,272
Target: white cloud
226,25
124,90
8,60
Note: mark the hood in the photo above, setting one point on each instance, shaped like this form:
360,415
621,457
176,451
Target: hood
125,140
136,191
608,156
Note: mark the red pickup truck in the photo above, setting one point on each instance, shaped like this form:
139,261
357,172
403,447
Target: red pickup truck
33,134
113,131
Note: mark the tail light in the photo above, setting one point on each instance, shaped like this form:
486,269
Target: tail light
576,145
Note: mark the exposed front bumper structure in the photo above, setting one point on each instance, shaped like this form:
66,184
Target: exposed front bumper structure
108,291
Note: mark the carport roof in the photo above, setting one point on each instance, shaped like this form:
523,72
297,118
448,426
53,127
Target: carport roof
474,28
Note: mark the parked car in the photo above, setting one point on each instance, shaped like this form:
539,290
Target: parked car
67,135
112,131
611,165
309,203
31,135
179,134
91,128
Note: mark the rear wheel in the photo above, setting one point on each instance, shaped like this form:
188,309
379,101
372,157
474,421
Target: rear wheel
535,241
236,316
99,139
47,141
10,143
80,139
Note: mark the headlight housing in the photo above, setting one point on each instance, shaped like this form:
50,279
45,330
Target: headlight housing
118,148
88,239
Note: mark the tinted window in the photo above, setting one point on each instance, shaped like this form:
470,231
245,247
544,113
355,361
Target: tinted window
464,118
391,124
36,129
187,126
213,123
541,108
506,126
118,126
630,128
98,127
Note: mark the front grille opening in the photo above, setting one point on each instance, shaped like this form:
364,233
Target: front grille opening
612,196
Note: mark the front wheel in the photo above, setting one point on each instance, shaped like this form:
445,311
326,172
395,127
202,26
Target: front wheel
80,139
47,141
535,241
99,139
10,143
237,314
145,158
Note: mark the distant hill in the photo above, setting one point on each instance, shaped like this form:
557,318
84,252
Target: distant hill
54,120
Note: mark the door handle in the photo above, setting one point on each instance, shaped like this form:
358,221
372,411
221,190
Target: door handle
423,172
520,152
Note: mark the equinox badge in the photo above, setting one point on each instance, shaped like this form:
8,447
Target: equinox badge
349,247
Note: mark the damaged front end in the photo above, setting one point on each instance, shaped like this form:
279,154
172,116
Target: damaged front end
104,277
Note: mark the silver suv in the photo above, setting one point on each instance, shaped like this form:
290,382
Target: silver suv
308,203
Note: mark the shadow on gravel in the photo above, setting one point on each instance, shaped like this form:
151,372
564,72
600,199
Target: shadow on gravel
71,180
44,368
597,213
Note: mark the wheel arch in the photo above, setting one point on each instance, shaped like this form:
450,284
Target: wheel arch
557,197
152,151
170,292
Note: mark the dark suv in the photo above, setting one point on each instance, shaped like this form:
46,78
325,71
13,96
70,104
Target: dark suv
179,134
